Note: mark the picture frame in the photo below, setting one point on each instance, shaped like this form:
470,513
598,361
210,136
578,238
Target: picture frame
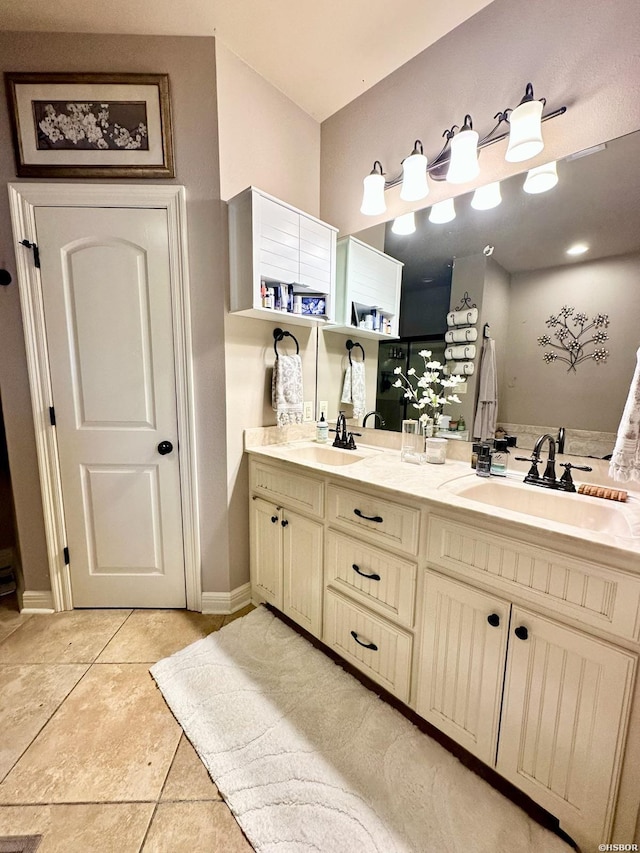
90,125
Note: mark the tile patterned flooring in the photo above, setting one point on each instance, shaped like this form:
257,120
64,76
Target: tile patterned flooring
90,755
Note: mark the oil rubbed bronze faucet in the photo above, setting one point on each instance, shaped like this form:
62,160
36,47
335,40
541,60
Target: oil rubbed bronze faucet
344,440
548,479
374,415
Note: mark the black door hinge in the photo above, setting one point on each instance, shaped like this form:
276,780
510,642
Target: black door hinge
66,556
36,251
52,415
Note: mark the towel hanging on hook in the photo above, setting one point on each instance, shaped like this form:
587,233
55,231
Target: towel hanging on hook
278,335
487,330
350,345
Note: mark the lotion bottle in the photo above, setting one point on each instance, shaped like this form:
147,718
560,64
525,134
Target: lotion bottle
322,430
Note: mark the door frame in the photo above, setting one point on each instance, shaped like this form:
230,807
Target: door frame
23,199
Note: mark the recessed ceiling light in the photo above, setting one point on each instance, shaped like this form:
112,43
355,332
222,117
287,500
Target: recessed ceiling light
577,249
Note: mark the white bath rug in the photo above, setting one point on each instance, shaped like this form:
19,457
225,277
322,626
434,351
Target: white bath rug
310,761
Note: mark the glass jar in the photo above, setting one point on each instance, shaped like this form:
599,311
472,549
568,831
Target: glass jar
436,450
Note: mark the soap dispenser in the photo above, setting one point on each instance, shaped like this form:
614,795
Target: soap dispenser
322,430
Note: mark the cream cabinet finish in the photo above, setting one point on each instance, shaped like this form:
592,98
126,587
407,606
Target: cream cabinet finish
366,278
272,241
556,712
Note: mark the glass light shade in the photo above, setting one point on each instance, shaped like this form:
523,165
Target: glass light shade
405,224
373,202
541,178
442,211
525,134
487,197
463,166
414,178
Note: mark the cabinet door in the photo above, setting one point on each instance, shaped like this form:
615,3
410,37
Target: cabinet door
463,650
278,241
563,729
302,563
266,552
317,255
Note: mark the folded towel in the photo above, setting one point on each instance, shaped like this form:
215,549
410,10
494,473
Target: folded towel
353,390
484,426
286,389
625,460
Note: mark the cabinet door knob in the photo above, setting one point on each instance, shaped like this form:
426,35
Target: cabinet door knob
493,619
521,633
362,574
284,522
274,518
371,646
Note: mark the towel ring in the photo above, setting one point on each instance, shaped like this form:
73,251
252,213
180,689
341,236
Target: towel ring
350,345
278,335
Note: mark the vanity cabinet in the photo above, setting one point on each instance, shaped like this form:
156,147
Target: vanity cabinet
272,243
286,551
367,280
546,704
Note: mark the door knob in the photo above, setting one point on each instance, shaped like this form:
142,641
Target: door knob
493,619
521,632
165,447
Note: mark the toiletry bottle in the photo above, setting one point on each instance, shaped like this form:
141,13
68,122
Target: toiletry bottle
483,465
499,457
322,430
461,424
475,451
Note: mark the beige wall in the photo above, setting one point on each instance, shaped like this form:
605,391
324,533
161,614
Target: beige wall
266,140
580,53
190,63
593,396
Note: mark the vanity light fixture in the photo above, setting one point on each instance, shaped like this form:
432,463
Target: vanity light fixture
405,224
463,165
373,202
442,211
541,178
577,249
414,175
525,134
487,197
457,161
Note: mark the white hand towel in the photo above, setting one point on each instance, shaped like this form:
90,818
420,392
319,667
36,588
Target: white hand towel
286,389
353,390
625,460
484,426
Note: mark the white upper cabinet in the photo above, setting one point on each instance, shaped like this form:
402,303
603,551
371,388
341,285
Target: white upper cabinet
368,286
278,253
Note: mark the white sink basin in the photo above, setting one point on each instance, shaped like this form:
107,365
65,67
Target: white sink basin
580,511
323,455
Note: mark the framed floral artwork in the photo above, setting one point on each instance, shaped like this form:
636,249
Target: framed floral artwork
91,125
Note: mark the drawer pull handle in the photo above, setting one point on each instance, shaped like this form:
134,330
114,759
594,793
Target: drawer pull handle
521,633
376,518
371,646
493,619
363,574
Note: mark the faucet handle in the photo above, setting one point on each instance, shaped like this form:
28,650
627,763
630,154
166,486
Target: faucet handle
566,481
569,466
533,475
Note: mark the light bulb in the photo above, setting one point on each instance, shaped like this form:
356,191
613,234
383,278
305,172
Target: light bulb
442,211
541,178
405,224
414,175
487,197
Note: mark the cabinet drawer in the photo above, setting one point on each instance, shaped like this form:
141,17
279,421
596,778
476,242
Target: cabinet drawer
296,490
381,651
391,589
377,519
597,596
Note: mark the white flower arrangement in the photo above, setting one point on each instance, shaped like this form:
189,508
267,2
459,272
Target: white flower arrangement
429,391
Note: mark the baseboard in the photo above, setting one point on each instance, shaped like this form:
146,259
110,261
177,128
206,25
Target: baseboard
224,603
36,601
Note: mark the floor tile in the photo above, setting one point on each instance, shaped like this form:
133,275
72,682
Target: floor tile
29,695
149,635
87,828
10,620
195,828
112,740
74,636
239,613
188,778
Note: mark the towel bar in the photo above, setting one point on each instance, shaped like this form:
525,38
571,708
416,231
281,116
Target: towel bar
350,345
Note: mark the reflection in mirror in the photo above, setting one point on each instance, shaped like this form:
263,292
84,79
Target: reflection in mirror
515,262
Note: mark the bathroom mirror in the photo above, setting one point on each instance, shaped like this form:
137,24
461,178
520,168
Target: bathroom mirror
524,242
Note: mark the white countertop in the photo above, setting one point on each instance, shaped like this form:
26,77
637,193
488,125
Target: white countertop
383,468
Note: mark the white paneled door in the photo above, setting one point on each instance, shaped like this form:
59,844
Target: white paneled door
107,304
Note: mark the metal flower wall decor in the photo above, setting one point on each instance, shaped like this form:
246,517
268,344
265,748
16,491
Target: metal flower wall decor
572,342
